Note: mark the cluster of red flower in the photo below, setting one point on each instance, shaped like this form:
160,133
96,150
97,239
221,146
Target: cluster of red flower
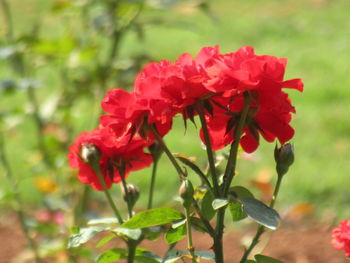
213,83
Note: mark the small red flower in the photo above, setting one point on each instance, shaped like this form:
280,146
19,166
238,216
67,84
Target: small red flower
341,237
115,153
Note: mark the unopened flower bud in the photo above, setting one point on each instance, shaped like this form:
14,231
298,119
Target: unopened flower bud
90,153
133,194
284,157
155,150
186,192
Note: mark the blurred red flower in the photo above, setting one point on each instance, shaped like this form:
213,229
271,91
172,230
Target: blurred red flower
341,237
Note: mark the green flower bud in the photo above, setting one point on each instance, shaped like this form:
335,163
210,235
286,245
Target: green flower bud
186,192
284,157
133,194
90,153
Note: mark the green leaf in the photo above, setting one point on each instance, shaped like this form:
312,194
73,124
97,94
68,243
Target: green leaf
266,259
112,255
84,235
260,212
130,233
236,211
250,261
207,255
146,256
103,221
175,235
105,240
207,208
153,217
198,225
240,192
174,255
219,202
235,207
178,223
152,233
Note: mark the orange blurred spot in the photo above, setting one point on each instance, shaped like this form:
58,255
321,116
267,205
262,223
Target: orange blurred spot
45,185
262,182
301,210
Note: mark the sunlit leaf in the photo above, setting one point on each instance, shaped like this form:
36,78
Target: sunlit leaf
84,235
219,202
103,221
130,233
153,217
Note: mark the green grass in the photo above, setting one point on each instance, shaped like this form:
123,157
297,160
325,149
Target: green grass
313,35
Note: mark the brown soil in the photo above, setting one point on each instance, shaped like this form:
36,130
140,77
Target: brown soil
292,243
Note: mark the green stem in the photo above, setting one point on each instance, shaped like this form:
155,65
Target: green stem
8,19
96,167
205,221
232,159
131,250
276,191
153,181
261,229
20,207
167,151
228,177
189,235
39,124
127,195
210,153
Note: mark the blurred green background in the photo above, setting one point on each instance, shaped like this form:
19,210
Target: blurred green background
65,47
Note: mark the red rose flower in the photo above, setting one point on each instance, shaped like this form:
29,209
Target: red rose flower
179,84
115,153
129,113
229,76
341,237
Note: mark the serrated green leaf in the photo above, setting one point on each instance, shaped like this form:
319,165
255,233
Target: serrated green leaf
112,255
207,208
219,202
175,234
265,259
130,233
153,217
105,240
84,235
236,211
260,212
